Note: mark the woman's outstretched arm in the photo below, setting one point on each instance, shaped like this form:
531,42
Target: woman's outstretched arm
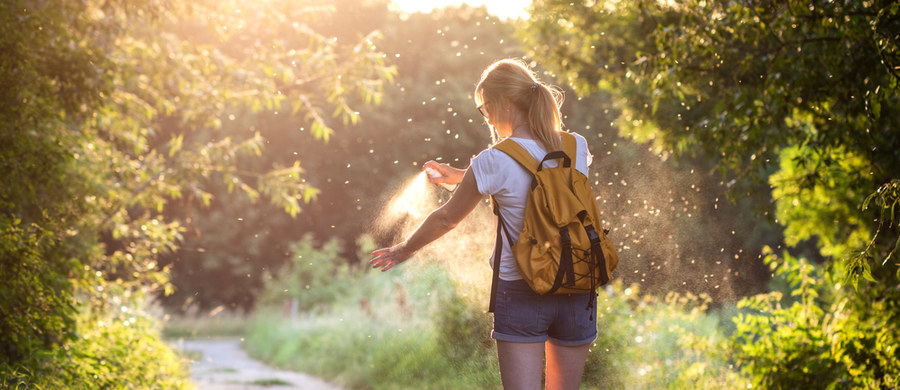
438,223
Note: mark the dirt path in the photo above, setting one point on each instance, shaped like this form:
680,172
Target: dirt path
223,365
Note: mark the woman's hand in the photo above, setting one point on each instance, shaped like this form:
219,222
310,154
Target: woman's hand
448,174
387,258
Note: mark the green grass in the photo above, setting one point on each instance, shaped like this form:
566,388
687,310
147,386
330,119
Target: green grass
215,323
270,382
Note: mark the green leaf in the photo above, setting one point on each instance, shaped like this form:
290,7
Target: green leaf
175,144
309,193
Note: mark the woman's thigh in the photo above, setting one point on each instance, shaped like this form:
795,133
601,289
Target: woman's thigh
521,364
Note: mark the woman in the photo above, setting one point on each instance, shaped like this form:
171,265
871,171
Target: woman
515,105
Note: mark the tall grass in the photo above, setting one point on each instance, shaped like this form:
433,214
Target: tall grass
423,327
386,333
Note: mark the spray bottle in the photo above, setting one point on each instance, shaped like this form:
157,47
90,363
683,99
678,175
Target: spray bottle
434,174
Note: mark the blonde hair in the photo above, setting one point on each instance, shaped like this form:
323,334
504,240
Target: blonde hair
512,80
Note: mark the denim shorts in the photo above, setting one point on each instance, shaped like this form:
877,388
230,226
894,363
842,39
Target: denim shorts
523,316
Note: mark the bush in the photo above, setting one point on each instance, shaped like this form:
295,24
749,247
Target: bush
123,349
36,299
314,277
816,334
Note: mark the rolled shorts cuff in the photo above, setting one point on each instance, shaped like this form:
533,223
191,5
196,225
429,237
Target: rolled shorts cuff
540,339
517,339
571,343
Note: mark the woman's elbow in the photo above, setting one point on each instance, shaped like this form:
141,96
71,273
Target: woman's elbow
446,221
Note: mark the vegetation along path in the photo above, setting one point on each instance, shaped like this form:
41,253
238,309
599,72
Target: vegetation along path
223,365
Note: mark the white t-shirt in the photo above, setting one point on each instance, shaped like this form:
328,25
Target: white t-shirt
498,174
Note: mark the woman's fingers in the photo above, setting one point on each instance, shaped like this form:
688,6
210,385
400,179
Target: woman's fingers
447,173
388,258
383,258
379,259
390,264
435,174
440,168
379,252
385,264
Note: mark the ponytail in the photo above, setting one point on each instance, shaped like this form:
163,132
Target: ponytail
544,116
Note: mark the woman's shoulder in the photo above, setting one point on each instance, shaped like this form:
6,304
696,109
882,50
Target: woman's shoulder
578,137
489,155
492,168
583,152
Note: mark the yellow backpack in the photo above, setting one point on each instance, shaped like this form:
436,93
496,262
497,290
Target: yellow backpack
563,248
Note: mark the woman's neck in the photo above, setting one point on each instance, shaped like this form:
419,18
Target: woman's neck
522,131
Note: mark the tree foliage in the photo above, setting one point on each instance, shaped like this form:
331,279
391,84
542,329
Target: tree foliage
111,111
798,103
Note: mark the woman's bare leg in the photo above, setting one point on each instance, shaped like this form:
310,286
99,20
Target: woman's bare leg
521,365
565,365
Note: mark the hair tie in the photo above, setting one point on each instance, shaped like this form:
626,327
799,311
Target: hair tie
534,87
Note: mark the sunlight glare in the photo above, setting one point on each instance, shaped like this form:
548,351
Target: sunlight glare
503,9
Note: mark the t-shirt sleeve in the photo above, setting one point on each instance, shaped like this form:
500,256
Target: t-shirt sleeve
584,158
483,166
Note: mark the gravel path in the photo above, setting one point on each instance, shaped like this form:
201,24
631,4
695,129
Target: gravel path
223,365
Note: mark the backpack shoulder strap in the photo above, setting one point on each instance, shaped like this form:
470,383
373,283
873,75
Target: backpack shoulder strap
498,252
570,145
518,153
